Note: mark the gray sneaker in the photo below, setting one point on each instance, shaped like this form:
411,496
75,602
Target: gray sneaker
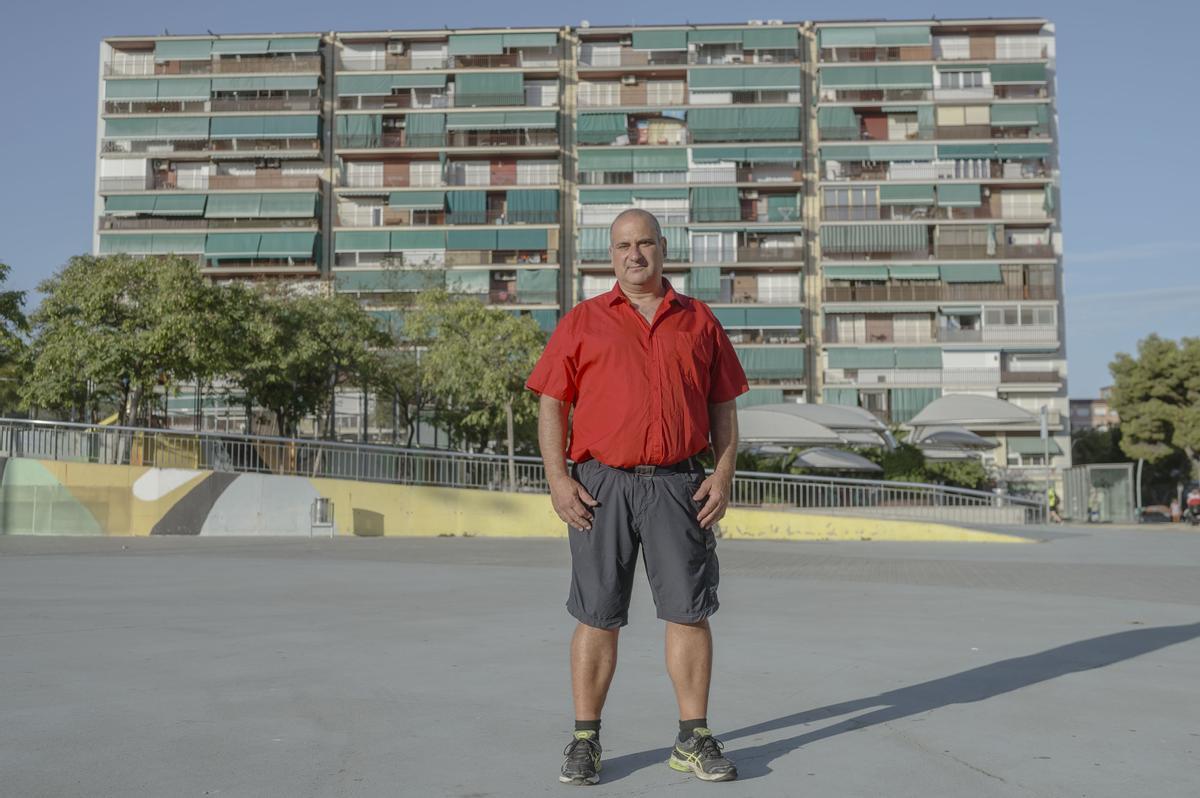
582,763
701,754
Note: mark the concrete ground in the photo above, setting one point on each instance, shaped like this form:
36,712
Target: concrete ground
381,667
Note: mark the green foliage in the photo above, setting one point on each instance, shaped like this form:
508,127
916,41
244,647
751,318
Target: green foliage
1157,395
907,463
475,366
13,324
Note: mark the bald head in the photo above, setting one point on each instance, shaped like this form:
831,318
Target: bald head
639,214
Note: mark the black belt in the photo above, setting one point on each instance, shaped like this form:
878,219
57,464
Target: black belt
682,467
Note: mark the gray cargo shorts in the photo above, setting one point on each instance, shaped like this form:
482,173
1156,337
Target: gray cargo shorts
658,514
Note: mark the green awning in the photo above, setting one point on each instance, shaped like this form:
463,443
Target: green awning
774,154
772,38
1018,73
364,85
838,122
346,280
875,238
605,196
538,206
850,358
184,89
714,154
905,403
180,205
1023,149
772,362
231,206
1019,115
771,78
874,273
902,194
959,195
414,279
235,127
289,205
744,124
743,78
610,160
489,88
878,152
1031,445
239,46
533,120
715,36
129,204
914,272
858,36
914,357
600,128
363,130
142,90
521,239
537,285
131,128
467,207
966,151
714,124
653,159
435,200
843,397
232,245
287,245
469,281
267,83
500,120
903,36
128,243
971,273
295,44
660,193
549,39
476,44
774,317
425,130
361,241
471,239
715,204
414,81
660,40
177,243
875,77
759,396
704,281
418,239
183,127
182,50
783,207
292,127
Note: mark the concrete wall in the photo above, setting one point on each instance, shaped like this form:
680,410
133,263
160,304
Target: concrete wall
64,498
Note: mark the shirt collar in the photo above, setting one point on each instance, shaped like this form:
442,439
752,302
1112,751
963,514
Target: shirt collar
671,297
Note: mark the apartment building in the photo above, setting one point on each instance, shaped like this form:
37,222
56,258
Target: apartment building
869,207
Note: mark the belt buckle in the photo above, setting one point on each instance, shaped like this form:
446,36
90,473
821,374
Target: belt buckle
644,470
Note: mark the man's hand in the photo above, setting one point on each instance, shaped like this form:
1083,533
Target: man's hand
715,491
571,501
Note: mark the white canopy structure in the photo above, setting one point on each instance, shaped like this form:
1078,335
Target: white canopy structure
851,425
951,437
774,424
834,460
966,410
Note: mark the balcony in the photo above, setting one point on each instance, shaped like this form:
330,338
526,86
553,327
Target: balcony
944,133
981,50
406,100
166,181
710,257
216,104
289,64
942,170
1033,334
168,223
433,218
463,138
889,378
628,57
909,213
694,177
158,147
936,292
1030,377
405,61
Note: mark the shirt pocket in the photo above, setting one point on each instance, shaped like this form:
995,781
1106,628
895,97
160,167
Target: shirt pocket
693,353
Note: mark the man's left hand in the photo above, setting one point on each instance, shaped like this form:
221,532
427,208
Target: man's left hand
715,491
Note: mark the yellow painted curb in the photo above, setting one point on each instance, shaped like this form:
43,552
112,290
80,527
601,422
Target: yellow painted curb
746,524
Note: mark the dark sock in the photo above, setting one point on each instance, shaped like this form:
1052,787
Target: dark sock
588,725
686,727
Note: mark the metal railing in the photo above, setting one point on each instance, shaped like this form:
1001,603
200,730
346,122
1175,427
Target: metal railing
935,292
228,453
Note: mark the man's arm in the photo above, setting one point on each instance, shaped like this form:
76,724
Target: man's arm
570,499
718,487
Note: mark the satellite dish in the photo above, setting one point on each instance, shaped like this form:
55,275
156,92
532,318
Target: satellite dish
585,24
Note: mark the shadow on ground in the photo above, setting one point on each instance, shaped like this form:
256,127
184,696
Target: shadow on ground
968,686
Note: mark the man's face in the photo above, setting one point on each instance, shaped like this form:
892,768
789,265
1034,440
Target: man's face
637,252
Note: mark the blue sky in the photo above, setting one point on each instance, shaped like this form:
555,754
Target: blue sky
1127,116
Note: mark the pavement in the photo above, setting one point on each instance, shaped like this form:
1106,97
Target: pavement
438,667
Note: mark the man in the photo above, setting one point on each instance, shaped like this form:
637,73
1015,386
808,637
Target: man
651,376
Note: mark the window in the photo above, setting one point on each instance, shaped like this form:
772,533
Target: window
961,80
1027,46
664,92
607,54
1023,204
902,126
951,47
541,92
425,173
132,63
851,203
427,55
713,247
592,93
360,174
533,173
191,175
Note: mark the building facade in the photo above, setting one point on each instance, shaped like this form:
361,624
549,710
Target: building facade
869,207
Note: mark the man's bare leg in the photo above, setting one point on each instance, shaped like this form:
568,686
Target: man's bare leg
689,663
593,663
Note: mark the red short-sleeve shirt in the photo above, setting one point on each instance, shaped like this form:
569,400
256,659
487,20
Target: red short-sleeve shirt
641,391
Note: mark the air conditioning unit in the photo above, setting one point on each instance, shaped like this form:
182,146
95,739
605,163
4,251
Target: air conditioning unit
395,48
774,21
626,41
629,80
754,22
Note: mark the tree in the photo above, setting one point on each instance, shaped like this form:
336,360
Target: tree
476,365
295,350
13,327
1157,396
114,327
398,379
